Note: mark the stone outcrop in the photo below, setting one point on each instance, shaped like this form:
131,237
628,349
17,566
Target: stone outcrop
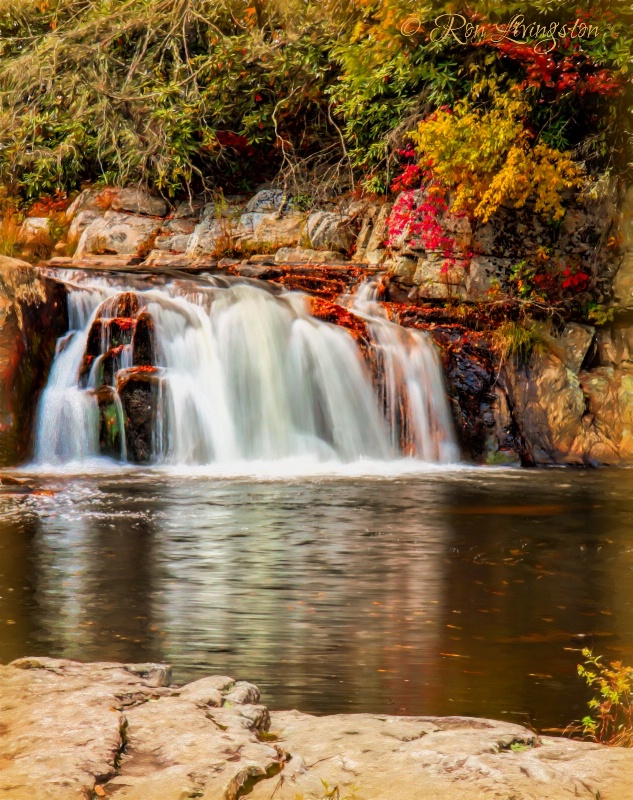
33,314
117,233
573,401
72,731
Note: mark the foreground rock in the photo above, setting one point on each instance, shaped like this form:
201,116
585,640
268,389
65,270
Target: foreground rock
71,730
33,313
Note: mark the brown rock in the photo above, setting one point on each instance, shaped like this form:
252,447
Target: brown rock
68,728
139,389
137,201
144,354
33,314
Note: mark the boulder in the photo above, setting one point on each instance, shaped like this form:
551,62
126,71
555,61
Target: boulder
139,390
370,244
267,201
330,231
274,231
33,314
138,201
116,233
80,222
125,304
302,255
34,230
439,279
189,208
482,274
176,243
208,236
98,200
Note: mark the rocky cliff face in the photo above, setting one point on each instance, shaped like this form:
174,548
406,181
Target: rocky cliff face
33,314
570,403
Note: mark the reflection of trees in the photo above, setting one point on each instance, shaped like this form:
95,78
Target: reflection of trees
93,562
309,590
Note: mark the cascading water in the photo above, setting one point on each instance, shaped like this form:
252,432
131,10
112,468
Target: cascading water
221,373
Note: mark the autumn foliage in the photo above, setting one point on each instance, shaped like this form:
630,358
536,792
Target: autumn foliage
483,152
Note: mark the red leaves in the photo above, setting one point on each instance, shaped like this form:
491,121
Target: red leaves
572,72
578,280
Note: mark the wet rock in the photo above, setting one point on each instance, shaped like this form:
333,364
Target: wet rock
144,347
470,375
327,311
33,314
119,331
111,433
139,390
96,337
111,362
137,201
125,304
330,231
116,233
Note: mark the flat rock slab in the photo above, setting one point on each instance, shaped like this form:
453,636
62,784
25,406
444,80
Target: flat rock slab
72,731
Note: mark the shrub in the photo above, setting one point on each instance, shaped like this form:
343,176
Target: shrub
482,151
610,718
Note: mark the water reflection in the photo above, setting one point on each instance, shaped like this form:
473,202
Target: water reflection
462,592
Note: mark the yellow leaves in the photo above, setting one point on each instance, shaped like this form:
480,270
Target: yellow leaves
483,153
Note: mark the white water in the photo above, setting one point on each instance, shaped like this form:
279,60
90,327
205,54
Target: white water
249,378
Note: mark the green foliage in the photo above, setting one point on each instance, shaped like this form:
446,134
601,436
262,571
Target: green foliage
610,718
168,92
219,92
519,340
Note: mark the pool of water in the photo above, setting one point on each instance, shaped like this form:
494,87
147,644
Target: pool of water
447,592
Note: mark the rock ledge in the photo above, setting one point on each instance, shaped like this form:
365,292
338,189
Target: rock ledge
71,730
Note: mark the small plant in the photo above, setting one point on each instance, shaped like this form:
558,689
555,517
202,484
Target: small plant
10,224
610,718
519,340
599,314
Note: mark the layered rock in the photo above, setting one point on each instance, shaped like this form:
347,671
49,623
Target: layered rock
33,314
119,367
73,731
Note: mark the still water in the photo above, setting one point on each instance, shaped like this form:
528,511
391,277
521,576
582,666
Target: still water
444,592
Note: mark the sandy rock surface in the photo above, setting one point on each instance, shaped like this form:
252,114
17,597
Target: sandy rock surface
72,731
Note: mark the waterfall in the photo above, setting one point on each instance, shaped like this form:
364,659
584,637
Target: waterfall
210,373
